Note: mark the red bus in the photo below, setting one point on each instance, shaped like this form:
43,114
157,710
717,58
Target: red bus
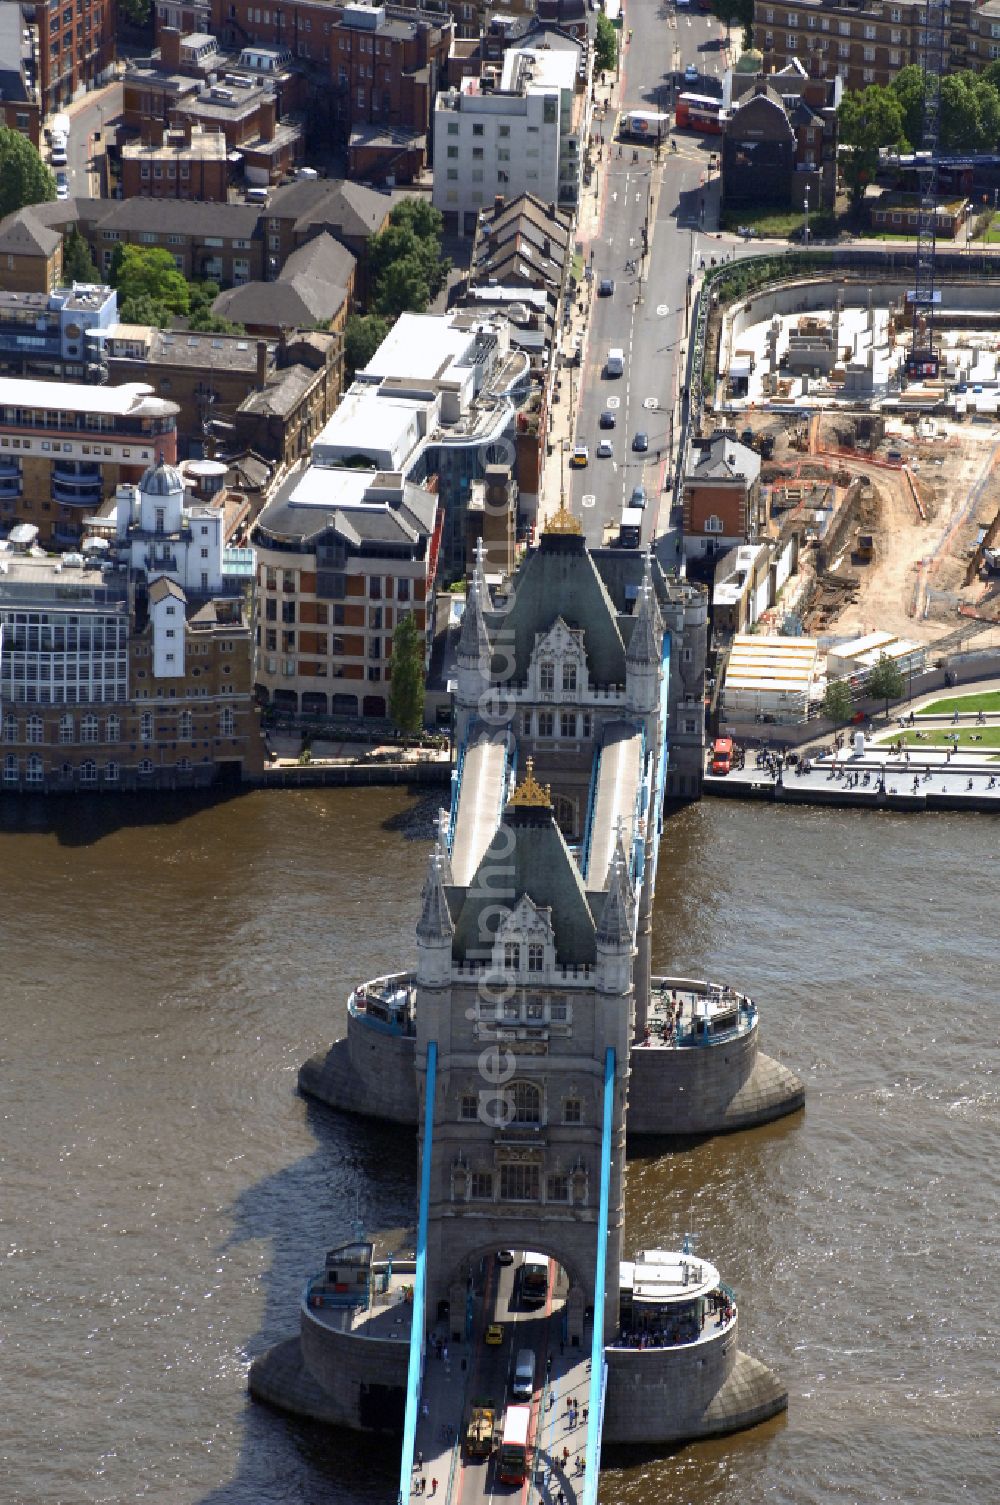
698,112
512,1459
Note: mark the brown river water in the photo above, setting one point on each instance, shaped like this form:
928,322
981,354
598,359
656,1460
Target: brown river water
164,1192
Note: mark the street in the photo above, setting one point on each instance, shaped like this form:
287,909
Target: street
646,316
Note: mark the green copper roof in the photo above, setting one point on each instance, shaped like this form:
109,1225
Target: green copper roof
527,855
558,579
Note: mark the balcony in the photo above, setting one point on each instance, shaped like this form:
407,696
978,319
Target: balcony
68,496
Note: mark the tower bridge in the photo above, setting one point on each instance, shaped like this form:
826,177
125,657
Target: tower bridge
527,1032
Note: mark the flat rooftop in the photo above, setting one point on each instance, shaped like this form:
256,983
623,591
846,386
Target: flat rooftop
764,663
75,397
419,347
368,422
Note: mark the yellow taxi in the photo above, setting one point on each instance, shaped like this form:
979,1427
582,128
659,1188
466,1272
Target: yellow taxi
494,1335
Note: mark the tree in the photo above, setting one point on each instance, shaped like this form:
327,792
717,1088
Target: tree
149,273
406,677
869,120
78,264
735,12
908,87
24,178
605,44
362,337
885,681
136,11
837,704
402,288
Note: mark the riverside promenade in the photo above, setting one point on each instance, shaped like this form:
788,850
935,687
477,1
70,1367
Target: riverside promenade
911,761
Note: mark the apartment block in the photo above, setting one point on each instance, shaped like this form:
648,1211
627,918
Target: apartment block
31,253
76,48
515,129
52,334
189,163
129,665
64,449
869,41
342,556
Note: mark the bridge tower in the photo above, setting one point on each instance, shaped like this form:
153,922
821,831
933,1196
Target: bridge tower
524,980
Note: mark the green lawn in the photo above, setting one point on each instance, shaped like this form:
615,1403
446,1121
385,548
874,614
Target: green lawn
987,737
771,224
988,700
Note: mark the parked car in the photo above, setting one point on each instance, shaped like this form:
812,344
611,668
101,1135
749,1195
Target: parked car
607,419
62,185
640,443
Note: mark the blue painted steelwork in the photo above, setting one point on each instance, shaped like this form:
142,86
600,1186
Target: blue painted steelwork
661,777
456,785
591,801
415,1373
597,1361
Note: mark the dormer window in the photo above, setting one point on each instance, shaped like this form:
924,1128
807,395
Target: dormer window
569,677
547,677
512,956
536,957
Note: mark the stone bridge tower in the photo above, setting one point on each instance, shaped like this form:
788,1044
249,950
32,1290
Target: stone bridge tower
524,980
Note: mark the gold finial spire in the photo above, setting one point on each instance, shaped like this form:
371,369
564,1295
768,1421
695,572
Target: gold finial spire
529,793
563,521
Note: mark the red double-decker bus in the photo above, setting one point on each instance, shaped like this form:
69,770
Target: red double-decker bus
512,1460
698,112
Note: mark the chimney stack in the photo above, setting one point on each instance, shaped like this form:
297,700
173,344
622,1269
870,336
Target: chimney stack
261,362
170,47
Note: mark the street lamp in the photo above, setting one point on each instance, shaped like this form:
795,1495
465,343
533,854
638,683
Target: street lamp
805,227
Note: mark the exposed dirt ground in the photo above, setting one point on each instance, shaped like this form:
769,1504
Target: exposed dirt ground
918,578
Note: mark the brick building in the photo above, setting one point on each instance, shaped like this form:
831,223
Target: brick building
64,448
31,254
290,387
342,555
721,497
190,163
76,48
868,43
779,143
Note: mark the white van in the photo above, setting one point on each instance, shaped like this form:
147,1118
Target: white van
257,195
523,1383
615,363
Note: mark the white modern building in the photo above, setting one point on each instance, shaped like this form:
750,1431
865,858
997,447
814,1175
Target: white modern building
515,129
166,535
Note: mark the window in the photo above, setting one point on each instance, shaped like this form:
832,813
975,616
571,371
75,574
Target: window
588,725
88,771
478,130
66,729
227,721
558,1011
34,772
468,1108
11,769
546,677
569,677
519,1183
145,767
482,1186
869,54
895,57
557,1189
146,726
844,27
572,1111
526,1101
536,957
9,729
113,729
88,732
843,50
567,724
870,33
185,726
512,956
868,75
34,729
546,724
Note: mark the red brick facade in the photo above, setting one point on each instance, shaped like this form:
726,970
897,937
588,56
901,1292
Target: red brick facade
76,46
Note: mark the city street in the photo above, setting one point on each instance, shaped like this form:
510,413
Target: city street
646,315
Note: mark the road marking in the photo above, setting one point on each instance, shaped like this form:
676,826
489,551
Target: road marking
614,402
661,309
650,402
588,500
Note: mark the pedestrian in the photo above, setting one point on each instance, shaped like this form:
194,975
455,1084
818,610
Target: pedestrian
434,1486
565,1456
420,1460
444,1352
425,1409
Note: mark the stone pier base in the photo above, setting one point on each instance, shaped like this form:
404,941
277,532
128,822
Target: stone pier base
281,1379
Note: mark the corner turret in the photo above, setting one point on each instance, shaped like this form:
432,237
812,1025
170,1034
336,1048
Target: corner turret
435,928
474,648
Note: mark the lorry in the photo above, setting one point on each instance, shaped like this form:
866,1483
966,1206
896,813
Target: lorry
480,1434
59,140
644,125
864,548
722,756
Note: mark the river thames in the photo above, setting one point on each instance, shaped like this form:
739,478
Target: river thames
165,1192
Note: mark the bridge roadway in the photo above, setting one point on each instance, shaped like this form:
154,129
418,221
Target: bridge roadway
619,775
481,799
474,1371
